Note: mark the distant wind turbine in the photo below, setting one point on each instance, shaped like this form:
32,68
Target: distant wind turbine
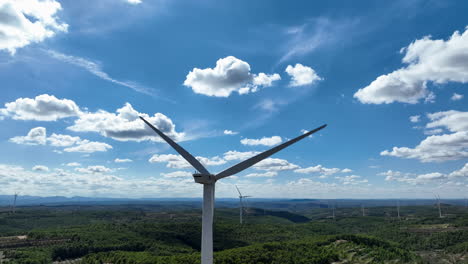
208,180
15,196
438,205
241,203
363,210
398,209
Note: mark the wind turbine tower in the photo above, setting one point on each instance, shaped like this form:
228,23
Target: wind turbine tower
14,202
203,176
398,209
438,205
241,204
363,210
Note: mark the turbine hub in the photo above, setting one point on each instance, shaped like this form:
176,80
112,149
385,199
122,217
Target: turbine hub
204,178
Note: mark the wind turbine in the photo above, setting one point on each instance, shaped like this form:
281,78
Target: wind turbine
15,196
209,180
241,204
398,209
438,205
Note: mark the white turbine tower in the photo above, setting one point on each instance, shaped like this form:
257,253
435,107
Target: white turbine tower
438,205
398,209
14,202
208,180
241,204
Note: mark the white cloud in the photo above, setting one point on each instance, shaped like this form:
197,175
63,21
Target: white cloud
23,22
40,168
427,178
98,169
125,125
42,108
134,2
302,75
237,155
117,160
352,180
455,121
86,146
96,69
463,172
177,174
438,61
274,164
230,132
321,170
230,75
177,162
265,141
346,170
443,147
438,148
262,175
431,176
415,118
58,140
73,164
36,136
266,80
433,131
456,97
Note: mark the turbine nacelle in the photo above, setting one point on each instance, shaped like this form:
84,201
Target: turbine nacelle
204,178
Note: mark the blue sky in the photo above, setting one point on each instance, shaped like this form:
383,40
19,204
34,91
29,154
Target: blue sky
228,80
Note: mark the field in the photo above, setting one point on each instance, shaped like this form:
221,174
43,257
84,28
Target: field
299,232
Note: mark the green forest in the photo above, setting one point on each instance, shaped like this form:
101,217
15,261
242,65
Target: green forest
145,234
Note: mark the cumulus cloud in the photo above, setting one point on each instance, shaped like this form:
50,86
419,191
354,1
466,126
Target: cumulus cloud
415,118
427,178
352,180
177,162
437,61
265,141
262,175
463,172
238,155
134,2
456,97
177,174
73,164
28,21
125,125
97,169
229,75
117,160
274,164
266,80
439,148
59,140
40,168
86,146
230,132
301,75
42,108
318,169
36,136
321,170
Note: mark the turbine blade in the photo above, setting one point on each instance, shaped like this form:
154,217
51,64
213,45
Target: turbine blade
187,156
238,191
252,161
